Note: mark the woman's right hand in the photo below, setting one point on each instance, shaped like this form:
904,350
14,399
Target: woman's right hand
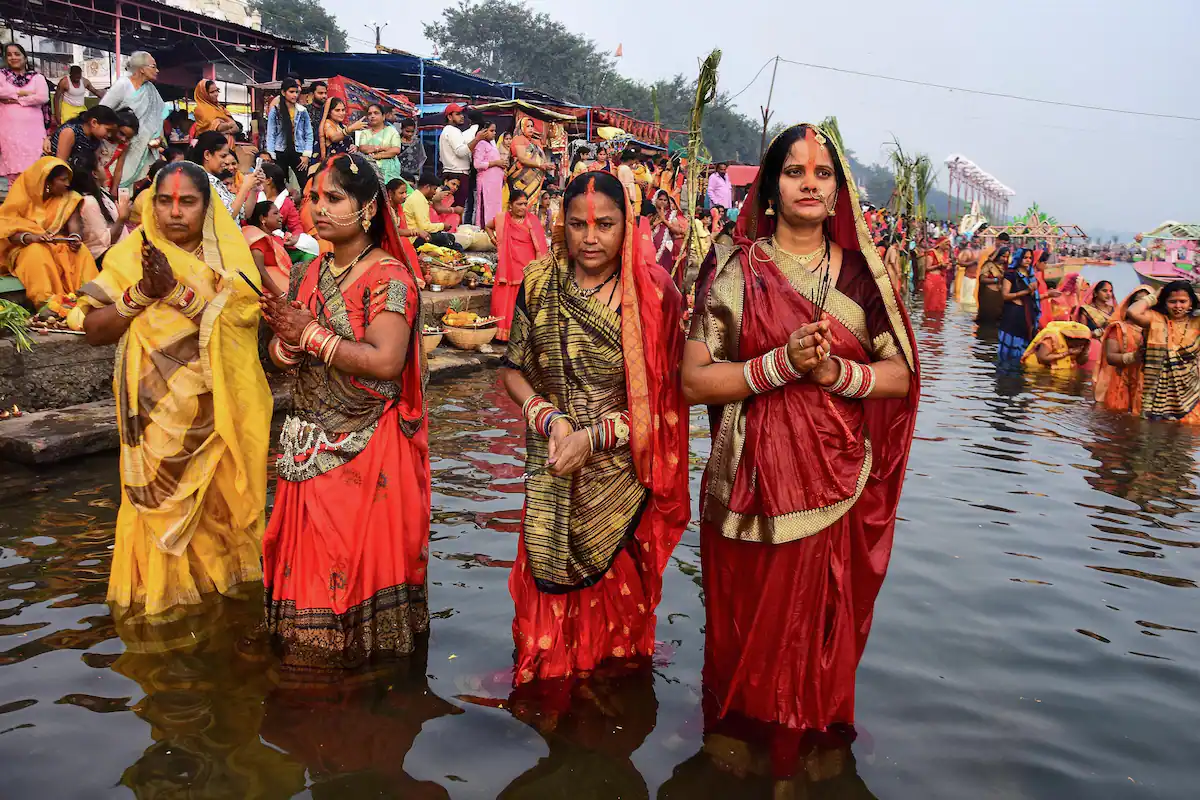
808,346
157,278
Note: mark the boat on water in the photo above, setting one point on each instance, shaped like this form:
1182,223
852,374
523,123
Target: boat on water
1172,254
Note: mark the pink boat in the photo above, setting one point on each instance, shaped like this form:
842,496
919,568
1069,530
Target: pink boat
1173,249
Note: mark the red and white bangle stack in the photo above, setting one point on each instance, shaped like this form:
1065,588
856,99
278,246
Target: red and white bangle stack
770,371
285,354
541,415
319,341
185,299
610,432
854,380
133,302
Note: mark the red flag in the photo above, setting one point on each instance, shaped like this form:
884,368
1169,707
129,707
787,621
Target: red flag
620,50
326,43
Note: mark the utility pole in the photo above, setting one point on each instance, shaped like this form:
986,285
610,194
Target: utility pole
766,111
373,25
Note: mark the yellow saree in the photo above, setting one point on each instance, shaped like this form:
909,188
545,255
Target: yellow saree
1057,334
194,415
44,269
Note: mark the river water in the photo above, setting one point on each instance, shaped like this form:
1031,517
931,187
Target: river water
1036,637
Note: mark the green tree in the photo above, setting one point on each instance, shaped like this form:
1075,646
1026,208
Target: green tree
508,41
302,20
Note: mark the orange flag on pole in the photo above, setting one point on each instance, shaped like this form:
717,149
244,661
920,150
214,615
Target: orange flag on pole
620,50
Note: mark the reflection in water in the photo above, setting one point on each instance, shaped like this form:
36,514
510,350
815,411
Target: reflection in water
205,682
1035,639
592,728
353,735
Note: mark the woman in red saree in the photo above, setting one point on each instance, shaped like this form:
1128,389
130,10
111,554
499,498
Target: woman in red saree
669,227
520,241
807,361
934,288
596,338
267,250
346,549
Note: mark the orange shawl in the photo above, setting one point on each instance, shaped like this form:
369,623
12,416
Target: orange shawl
209,114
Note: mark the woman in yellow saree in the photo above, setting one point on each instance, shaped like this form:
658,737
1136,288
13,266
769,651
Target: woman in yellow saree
41,233
193,406
1059,347
527,165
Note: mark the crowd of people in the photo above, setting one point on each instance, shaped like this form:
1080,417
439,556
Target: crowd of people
796,333
618,314
1140,351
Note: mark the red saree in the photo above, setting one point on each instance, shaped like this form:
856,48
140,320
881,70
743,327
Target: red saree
934,287
792,565
572,629
346,549
518,244
276,260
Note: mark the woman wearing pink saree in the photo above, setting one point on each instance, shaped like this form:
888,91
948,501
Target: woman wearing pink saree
24,112
489,180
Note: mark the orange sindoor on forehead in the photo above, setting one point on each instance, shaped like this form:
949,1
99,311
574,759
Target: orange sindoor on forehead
810,136
591,208
175,186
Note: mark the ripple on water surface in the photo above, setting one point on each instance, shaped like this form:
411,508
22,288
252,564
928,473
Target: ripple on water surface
1036,637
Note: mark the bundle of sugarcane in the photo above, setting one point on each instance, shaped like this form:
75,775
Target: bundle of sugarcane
706,92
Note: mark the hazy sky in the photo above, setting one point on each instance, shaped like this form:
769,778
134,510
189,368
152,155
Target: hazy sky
1096,169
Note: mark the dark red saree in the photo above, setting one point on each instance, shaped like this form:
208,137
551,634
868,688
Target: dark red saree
800,495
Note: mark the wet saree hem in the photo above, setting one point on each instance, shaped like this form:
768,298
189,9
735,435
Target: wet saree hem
386,624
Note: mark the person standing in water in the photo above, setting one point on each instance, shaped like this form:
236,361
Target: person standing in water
808,364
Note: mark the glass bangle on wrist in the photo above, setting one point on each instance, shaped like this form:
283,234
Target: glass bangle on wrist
770,371
854,381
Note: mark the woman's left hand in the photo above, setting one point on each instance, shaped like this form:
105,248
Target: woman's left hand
571,454
825,373
288,320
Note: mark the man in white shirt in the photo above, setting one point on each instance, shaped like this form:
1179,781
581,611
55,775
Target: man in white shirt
455,148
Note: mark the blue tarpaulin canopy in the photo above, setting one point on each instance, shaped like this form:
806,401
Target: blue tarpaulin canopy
402,72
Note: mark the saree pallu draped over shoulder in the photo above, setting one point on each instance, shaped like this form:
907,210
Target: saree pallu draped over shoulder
1170,374
593,546
799,498
347,546
194,415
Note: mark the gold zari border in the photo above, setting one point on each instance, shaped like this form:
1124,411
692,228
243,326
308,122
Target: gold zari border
792,526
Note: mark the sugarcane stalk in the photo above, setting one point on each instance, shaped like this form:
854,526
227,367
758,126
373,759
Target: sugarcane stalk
706,92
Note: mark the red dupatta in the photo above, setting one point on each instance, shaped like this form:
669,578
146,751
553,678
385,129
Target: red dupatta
510,267
803,451
652,342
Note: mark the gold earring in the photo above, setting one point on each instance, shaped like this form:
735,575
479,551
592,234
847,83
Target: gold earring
770,212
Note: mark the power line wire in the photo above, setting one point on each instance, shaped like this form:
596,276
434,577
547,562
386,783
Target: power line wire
1005,95
752,80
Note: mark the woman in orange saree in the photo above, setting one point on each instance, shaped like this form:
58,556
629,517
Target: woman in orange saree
808,364
520,241
592,359
210,114
41,239
1117,381
346,548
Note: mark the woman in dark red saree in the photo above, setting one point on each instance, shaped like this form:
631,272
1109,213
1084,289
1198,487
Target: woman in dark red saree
346,549
807,361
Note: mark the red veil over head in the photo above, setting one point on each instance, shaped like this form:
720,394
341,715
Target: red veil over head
652,340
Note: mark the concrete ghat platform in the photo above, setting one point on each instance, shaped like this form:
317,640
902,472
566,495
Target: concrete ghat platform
40,438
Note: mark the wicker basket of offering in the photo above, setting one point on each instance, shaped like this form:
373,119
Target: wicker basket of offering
445,276
431,337
466,330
